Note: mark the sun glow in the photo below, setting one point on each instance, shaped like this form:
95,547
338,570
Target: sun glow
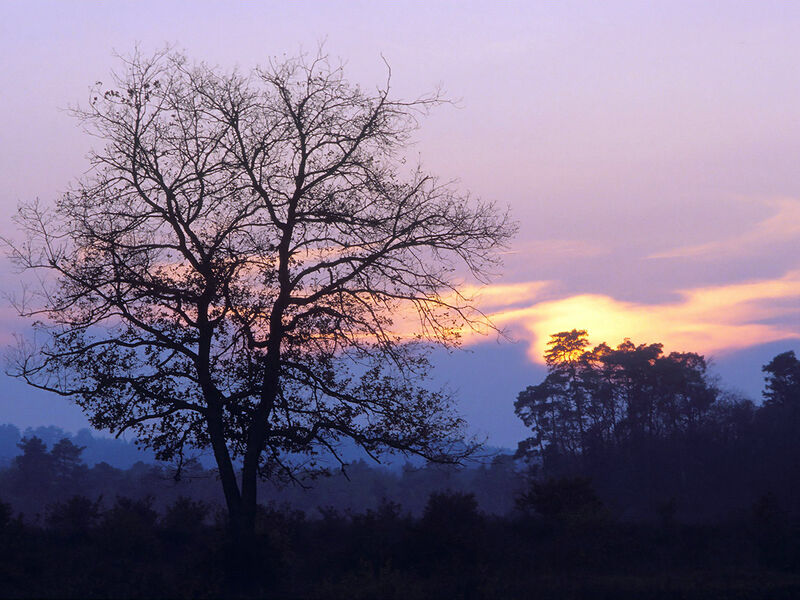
709,320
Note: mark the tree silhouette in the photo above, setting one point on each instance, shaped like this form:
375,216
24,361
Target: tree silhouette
782,381
35,464
591,399
250,266
66,458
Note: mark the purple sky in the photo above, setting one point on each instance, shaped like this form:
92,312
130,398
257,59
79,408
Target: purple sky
650,152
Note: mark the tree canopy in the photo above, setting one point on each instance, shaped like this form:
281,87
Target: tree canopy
251,266
783,381
593,397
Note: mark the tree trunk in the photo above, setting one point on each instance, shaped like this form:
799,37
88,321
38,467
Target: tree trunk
241,556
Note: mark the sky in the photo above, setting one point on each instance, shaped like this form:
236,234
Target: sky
648,150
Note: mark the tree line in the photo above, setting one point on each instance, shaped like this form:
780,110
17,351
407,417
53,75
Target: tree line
652,429
640,473
650,432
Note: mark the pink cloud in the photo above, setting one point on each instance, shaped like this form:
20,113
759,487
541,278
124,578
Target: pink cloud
782,226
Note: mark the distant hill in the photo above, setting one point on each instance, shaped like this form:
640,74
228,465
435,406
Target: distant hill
118,453
123,454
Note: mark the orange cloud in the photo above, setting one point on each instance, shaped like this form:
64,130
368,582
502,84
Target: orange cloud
707,320
492,298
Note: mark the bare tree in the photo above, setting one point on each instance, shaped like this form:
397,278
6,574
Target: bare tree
251,267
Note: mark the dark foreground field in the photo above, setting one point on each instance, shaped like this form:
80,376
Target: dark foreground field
452,551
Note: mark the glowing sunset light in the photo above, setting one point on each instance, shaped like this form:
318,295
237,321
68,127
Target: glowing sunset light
706,320
493,297
647,152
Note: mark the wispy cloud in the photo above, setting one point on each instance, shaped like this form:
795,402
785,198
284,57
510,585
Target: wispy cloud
557,249
492,298
782,226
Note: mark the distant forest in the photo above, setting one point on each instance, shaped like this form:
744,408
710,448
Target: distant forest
640,473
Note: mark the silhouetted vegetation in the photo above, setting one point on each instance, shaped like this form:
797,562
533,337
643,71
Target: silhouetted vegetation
653,433
234,272
249,269
684,493
119,453
40,477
